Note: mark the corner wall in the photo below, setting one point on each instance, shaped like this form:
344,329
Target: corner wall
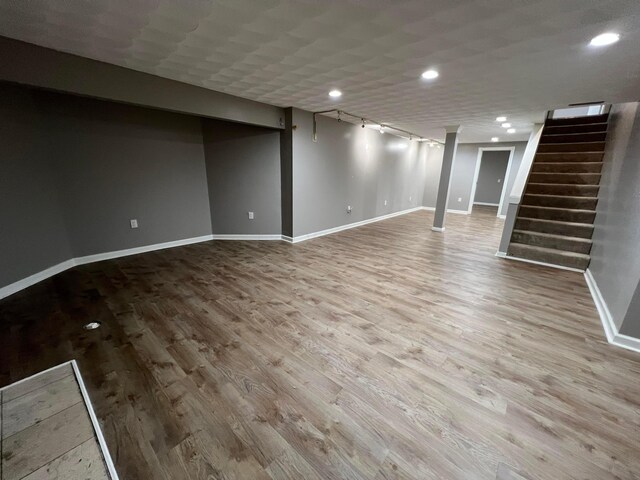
33,235
355,166
615,262
243,175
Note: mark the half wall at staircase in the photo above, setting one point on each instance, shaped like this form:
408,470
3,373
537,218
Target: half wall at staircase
615,255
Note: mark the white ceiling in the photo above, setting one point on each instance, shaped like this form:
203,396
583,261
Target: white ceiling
512,57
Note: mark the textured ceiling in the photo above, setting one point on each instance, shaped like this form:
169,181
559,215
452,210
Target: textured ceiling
511,57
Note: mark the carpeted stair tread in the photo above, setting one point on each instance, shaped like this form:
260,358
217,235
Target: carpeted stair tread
574,189
575,215
554,122
565,178
581,137
549,255
581,128
555,157
571,147
567,167
552,240
560,201
558,227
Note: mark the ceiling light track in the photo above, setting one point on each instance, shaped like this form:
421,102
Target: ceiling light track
368,121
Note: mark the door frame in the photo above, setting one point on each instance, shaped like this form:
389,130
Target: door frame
503,194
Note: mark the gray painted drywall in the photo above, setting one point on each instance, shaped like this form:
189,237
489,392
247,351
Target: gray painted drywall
33,235
117,162
444,185
464,170
36,66
286,174
432,175
353,166
243,174
491,175
631,323
615,263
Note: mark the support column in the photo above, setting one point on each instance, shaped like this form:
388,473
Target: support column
450,147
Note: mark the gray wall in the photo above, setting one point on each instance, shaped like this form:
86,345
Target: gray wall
493,169
74,171
243,173
464,169
615,262
33,236
116,162
432,175
353,166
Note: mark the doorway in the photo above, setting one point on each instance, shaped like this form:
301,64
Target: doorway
489,188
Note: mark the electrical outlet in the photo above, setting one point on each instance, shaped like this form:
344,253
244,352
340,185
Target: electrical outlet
410,197
459,199
250,215
348,208
134,223
385,202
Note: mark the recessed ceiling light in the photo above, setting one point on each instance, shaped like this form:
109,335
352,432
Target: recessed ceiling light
335,93
92,326
501,119
506,125
604,39
430,74
511,130
494,139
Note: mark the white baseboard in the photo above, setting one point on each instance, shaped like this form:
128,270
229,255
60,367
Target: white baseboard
501,254
99,257
36,278
429,209
247,237
502,217
67,264
328,231
610,329
437,229
487,204
460,212
535,262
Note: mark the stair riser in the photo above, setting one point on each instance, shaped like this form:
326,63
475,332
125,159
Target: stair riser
569,167
566,178
582,231
566,244
573,137
561,215
577,120
571,147
590,128
548,257
572,190
560,202
570,157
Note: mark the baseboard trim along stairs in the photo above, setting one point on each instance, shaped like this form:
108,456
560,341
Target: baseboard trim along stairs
554,223
614,337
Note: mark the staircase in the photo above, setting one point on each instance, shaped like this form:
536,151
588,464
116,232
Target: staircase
555,220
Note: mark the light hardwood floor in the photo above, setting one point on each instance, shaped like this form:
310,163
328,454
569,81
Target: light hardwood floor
46,432
383,352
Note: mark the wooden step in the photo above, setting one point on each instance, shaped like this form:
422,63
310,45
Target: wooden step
551,256
588,128
555,213
569,157
554,122
550,240
568,229
560,201
574,190
571,147
567,167
566,178
573,137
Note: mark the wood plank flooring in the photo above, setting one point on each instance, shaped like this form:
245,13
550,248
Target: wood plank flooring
383,352
46,432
